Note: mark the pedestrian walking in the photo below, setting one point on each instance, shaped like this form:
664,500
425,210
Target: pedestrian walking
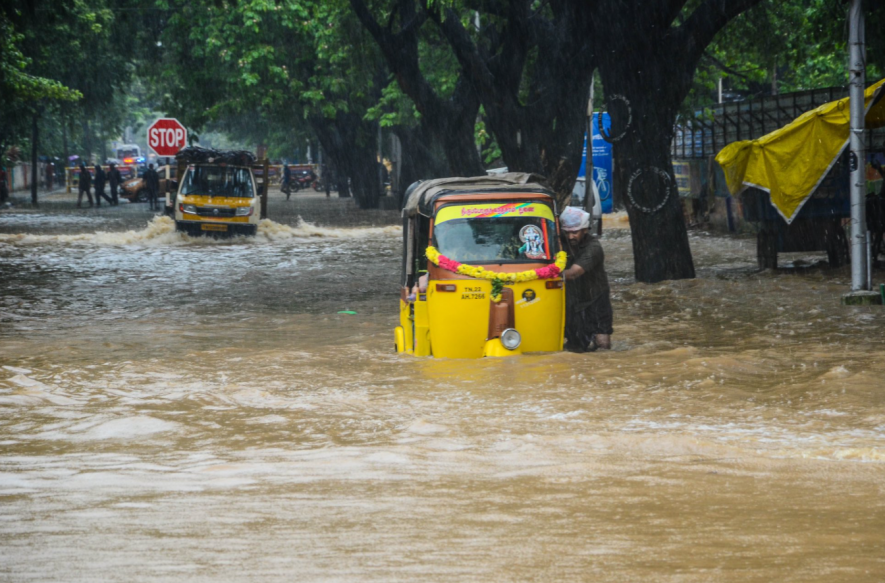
152,182
99,180
114,180
84,184
50,174
287,181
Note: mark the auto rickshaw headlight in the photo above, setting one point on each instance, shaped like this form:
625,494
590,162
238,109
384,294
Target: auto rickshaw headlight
511,339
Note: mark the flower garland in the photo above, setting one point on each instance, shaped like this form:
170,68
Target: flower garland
498,279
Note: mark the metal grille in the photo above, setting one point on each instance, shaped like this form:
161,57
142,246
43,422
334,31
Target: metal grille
205,211
710,131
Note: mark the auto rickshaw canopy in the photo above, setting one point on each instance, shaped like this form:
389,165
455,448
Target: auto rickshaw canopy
791,162
420,200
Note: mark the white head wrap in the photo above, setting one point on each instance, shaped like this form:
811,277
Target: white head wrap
574,219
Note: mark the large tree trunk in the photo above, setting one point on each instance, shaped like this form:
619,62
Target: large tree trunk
450,119
64,141
348,141
534,105
648,53
459,144
419,161
364,177
642,128
87,143
645,182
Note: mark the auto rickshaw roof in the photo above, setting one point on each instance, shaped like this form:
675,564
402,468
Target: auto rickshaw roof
420,201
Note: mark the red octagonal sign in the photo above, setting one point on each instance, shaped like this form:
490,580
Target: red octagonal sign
166,136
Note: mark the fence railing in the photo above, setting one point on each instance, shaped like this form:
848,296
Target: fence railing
710,130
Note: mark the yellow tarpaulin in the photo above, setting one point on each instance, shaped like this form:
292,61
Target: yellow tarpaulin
791,162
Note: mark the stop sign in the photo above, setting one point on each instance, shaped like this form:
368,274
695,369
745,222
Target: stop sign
166,136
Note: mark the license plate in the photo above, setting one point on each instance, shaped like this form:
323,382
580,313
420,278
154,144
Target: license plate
214,227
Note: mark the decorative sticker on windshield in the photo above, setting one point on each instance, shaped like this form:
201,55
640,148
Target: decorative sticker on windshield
534,242
491,211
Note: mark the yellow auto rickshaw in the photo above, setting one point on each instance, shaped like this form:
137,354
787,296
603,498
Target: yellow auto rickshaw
482,268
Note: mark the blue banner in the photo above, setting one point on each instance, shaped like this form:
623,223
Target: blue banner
602,161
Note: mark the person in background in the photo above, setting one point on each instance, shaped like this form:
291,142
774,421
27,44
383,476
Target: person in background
4,185
152,182
50,175
100,179
327,179
84,183
114,180
588,309
286,187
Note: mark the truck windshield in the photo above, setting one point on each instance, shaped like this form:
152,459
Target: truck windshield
218,181
530,237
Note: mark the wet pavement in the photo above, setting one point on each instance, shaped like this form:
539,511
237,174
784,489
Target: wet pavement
199,410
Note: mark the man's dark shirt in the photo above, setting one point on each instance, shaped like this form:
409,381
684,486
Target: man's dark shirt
152,180
85,179
593,284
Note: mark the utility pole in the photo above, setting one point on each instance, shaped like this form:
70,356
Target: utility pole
588,155
860,277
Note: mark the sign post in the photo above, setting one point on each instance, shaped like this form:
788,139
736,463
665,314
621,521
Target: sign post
166,136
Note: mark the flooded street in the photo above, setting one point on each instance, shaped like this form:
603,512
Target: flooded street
198,410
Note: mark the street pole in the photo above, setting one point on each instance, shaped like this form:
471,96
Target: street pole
588,165
857,155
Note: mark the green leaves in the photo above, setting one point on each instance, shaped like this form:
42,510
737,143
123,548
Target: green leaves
16,83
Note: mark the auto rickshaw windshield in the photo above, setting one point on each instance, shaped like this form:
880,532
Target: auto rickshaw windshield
496,233
218,181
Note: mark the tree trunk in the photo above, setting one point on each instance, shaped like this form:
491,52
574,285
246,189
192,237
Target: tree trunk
362,167
34,136
350,142
450,119
644,180
103,151
64,141
87,143
343,185
419,161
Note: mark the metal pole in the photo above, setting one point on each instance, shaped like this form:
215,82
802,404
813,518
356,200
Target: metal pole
857,155
588,164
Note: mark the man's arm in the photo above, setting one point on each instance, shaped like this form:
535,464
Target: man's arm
574,272
589,259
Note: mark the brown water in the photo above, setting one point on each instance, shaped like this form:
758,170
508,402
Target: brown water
180,410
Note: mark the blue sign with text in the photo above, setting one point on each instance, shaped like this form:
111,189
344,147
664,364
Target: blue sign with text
602,161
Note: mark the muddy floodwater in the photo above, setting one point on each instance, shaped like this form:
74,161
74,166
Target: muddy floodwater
188,410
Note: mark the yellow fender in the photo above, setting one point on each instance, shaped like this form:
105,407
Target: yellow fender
494,347
400,338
